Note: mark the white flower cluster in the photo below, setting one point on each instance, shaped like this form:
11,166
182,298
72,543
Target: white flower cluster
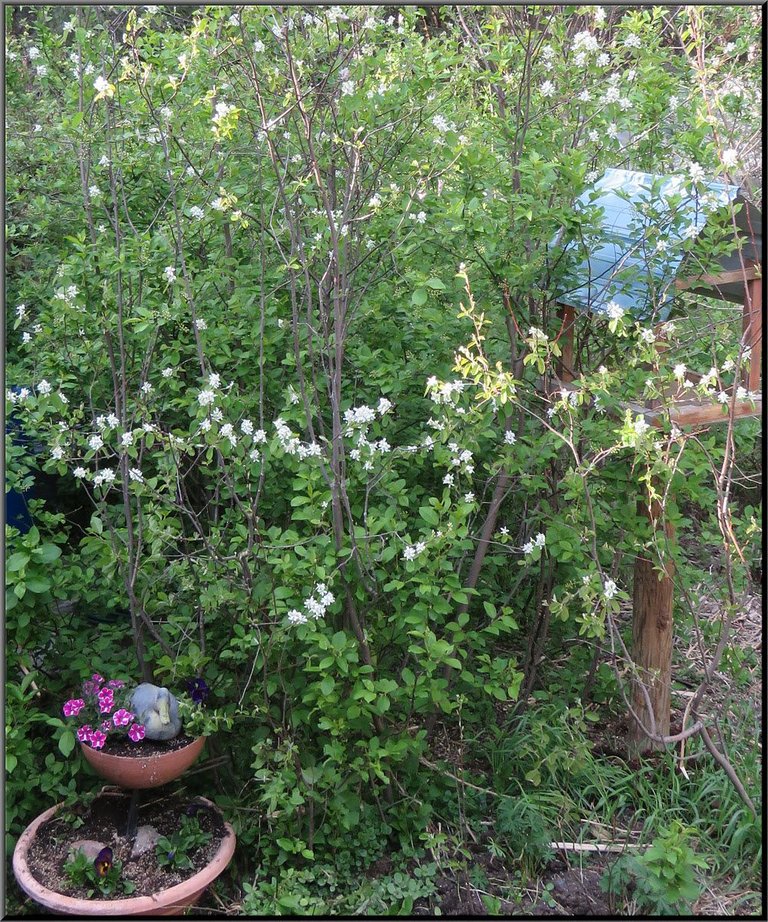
614,311
222,110
462,458
442,124
585,42
412,551
609,589
539,541
444,391
317,605
289,442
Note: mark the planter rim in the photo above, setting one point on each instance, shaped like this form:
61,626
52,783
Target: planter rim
178,895
143,770
159,754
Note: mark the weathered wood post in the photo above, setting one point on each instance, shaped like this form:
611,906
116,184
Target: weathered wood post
652,634
753,330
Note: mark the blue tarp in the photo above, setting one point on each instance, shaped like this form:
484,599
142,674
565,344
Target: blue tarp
625,263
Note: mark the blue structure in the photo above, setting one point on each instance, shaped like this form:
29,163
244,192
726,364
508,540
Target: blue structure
638,249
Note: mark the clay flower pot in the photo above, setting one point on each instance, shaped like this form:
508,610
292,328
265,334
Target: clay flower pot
171,902
143,771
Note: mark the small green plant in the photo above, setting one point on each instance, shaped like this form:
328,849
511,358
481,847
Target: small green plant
175,852
664,877
102,875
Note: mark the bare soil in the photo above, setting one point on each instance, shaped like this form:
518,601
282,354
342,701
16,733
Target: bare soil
122,746
104,821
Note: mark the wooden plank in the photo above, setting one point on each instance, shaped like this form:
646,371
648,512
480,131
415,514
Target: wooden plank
753,331
721,278
699,413
652,634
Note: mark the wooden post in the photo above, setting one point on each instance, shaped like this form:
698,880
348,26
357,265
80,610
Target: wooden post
567,315
651,642
753,330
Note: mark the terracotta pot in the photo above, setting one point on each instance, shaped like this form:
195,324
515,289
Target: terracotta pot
144,771
171,902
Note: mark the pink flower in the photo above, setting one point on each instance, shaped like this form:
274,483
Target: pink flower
136,732
98,679
116,683
106,705
89,687
73,707
97,739
122,717
84,733
106,726
106,693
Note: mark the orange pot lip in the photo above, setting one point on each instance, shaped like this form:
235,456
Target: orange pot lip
198,742
179,895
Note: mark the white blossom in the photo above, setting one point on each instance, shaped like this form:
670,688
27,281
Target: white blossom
146,387
135,474
44,387
614,311
200,324
347,88
126,440
95,442
196,212
296,617
101,84
105,476
167,372
730,158
547,88
609,589
632,41
57,453
206,397
170,273
80,472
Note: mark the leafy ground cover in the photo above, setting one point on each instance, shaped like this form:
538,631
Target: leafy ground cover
283,338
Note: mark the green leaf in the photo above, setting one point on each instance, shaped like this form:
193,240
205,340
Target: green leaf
435,284
67,742
16,561
419,297
47,553
327,685
96,524
429,515
38,584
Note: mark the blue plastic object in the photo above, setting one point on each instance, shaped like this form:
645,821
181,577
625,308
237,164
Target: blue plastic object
626,265
16,509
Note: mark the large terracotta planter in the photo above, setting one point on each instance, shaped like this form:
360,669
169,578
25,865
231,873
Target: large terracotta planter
171,902
145,771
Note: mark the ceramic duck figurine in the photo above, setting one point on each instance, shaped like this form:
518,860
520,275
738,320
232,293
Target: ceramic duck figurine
158,710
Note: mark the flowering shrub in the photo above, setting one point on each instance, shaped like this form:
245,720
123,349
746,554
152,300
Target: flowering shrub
103,719
295,352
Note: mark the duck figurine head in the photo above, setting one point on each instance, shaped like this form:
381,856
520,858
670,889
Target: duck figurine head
158,710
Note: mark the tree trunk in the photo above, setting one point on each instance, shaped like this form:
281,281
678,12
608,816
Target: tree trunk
652,635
